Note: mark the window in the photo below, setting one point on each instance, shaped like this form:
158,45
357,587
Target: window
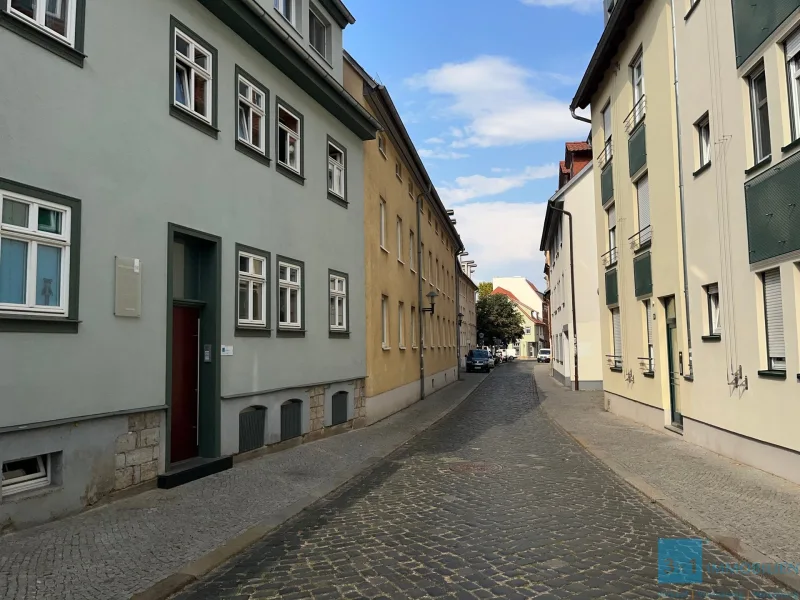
431,273
338,301
382,144
290,131
637,79
760,115
253,269
611,214
412,249
399,239
413,327
643,206
383,223
35,243
290,294
704,141
792,48
607,131
422,262
714,326
286,8
55,18
384,322
318,34
436,274
25,474
436,228
401,335
251,113
439,331
527,330
648,316
194,63
398,170
337,169
429,215
773,311
616,326
411,189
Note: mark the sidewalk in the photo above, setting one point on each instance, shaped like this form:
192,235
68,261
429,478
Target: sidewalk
753,514
168,538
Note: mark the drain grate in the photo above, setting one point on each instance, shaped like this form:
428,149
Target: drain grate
474,467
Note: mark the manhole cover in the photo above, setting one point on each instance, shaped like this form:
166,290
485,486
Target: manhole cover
474,467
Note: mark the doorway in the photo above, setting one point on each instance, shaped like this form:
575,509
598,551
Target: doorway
673,363
193,327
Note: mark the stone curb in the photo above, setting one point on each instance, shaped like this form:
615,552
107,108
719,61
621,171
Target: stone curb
194,570
726,540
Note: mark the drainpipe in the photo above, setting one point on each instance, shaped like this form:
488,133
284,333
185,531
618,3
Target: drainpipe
578,117
572,293
420,314
457,270
680,191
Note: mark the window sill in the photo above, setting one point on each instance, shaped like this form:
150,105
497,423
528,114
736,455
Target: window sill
772,374
36,324
412,270
342,335
402,347
253,153
711,338
290,333
417,347
649,374
40,38
384,249
762,163
383,154
691,10
688,378
400,179
196,122
242,331
704,168
290,173
401,262
616,369
386,348
791,145
337,199
25,495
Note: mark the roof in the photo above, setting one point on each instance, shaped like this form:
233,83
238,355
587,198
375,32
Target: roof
622,16
578,147
513,298
563,166
533,287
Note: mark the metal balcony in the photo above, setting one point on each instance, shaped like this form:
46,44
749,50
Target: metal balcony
609,259
636,115
606,154
641,239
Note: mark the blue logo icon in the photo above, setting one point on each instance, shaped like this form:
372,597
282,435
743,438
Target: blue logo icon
680,560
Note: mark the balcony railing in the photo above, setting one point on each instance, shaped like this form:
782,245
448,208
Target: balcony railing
636,115
609,259
645,363
614,361
606,154
641,239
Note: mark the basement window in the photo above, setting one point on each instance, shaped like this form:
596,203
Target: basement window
25,474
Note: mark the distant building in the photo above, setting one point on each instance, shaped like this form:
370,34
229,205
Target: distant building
467,297
528,300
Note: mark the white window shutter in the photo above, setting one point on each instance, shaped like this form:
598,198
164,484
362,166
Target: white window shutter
649,313
713,288
776,345
617,333
643,199
793,45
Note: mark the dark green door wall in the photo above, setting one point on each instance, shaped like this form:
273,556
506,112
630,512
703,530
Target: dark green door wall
773,215
755,20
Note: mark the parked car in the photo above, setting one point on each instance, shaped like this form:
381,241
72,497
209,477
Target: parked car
543,355
478,360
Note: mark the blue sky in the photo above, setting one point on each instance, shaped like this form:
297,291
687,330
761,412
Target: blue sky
484,93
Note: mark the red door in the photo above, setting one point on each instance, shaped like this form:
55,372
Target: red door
185,371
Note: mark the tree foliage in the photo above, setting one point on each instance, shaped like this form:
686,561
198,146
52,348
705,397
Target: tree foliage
484,289
498,317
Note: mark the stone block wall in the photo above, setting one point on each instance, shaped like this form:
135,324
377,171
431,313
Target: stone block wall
317,397
359,404
138,450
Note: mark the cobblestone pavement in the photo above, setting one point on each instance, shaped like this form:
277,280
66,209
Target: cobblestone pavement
492,502
127,546
748,504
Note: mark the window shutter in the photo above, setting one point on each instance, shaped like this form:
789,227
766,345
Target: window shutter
793,45
612,217
617,333
643,196
713,288
776,345
649,313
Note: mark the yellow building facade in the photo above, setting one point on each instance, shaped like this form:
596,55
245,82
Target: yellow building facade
410,253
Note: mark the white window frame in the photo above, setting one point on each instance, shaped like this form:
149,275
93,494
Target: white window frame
637,81
401,334
282,5
412,248
34,238
385,323
287,285
383,224
413,327
704,140
190,69
398,170
312,16
28,482
793,75
257,108
337,168
338,292
253,279
39,19
382,144
283,130
755,105
400,240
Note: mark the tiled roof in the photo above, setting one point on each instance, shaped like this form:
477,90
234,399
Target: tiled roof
578,146
533,287
563,166
505,292
528,309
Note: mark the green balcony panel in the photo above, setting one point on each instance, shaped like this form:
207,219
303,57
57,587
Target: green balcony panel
607,183
637,149
642,275
755,20
773,214
612,291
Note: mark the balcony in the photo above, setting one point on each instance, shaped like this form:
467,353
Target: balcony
641,239
609,259
606,155
614,361
637,145
642,275
612,291
607,183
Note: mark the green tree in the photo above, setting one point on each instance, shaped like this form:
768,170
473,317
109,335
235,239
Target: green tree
484,289
498,317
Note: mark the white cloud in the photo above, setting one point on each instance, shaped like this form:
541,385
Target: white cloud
441,154
434,140
581,6
478,186
499,102
501,170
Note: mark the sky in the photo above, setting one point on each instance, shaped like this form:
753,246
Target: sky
484,88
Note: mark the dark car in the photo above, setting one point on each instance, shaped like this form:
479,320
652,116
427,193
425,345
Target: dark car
478,360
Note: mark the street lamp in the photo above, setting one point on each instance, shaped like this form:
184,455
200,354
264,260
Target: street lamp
460,318
432,295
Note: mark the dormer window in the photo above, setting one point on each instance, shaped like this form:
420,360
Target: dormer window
318,34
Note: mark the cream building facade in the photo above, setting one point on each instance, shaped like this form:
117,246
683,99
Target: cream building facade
411,247
528,300
467,333
709,346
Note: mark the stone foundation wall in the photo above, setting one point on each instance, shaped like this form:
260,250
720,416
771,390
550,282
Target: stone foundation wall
317,406
138,450
360,404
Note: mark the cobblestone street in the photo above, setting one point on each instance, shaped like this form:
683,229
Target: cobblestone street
492,502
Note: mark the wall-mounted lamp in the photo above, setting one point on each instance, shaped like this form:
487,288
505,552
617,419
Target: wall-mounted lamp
432,297
460,318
